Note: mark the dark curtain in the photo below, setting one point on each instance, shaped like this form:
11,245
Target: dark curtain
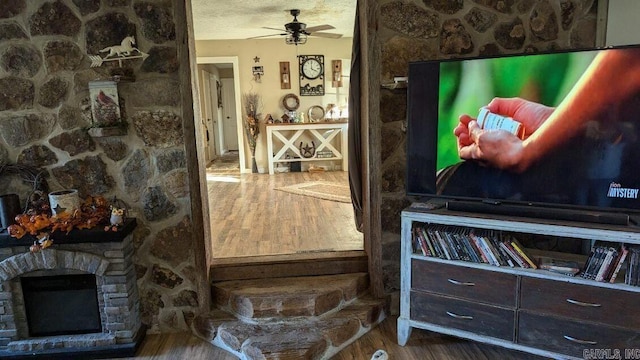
355,140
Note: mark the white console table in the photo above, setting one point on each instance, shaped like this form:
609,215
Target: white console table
322,134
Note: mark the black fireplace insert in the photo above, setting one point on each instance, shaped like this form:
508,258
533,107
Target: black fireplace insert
61,305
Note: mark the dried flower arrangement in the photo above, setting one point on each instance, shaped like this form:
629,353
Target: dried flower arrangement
28,174
250,102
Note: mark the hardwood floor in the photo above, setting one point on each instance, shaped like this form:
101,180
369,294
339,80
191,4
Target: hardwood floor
174,346
249,217
423,345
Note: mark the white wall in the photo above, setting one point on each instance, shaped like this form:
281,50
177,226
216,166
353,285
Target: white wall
623,25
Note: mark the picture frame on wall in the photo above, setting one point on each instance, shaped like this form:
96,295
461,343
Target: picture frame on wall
105,103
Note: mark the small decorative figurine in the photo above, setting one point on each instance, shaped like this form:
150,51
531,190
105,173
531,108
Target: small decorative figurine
117,218
43,241
118,214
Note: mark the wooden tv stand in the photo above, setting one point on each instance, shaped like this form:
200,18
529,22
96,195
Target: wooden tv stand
534,311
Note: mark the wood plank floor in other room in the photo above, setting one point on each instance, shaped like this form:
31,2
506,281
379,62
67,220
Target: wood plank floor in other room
422,345
250,218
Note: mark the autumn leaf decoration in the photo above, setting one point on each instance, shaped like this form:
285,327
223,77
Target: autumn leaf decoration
94,211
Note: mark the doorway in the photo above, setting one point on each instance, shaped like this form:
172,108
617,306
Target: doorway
248,215
220,105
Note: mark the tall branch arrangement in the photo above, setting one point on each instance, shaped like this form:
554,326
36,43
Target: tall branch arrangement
250,102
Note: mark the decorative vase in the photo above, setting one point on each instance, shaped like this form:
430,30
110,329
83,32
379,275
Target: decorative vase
254,165
64,200
260,154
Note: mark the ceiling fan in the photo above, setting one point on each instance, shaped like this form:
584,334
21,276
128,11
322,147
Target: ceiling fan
297,31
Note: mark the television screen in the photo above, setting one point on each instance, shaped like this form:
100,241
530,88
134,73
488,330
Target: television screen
573,136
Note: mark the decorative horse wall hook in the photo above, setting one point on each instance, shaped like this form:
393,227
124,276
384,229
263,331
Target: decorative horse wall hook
124,51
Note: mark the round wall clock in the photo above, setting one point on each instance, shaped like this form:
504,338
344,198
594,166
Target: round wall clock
311,68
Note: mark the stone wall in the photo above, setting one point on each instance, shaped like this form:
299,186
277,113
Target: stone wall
439,29
45,113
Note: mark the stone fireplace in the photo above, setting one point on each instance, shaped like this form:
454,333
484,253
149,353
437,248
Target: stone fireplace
47,275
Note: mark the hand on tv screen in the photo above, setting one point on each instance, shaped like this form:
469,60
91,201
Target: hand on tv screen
528,113
546,127
499,148
496,148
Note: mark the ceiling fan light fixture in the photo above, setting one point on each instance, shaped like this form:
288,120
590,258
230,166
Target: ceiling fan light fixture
295,39
295,27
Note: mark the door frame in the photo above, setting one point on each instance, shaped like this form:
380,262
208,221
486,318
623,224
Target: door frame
236,82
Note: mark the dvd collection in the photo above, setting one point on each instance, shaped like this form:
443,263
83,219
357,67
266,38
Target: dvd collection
456,243
606,261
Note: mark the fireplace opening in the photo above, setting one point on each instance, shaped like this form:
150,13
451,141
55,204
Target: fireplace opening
61,305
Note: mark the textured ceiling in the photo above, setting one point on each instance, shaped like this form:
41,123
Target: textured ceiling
241,19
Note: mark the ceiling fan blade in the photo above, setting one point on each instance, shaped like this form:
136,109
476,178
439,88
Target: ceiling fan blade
319,28
263,36
270,28
326,35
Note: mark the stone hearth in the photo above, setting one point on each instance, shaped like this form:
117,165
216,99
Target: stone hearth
108,256
304,317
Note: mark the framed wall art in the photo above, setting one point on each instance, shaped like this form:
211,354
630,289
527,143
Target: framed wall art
105,105
285,75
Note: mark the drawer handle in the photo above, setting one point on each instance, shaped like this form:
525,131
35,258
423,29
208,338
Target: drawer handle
456,282
581,342
463,317
580,303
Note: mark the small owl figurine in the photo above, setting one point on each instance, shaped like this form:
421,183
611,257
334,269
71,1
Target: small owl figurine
117,216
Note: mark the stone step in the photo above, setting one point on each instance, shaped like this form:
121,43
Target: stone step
298,338
308,296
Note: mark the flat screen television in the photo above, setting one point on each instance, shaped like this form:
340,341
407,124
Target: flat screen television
596,167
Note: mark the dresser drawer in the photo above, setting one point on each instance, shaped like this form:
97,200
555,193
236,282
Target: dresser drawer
479,285
580,302
463,315
571,337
